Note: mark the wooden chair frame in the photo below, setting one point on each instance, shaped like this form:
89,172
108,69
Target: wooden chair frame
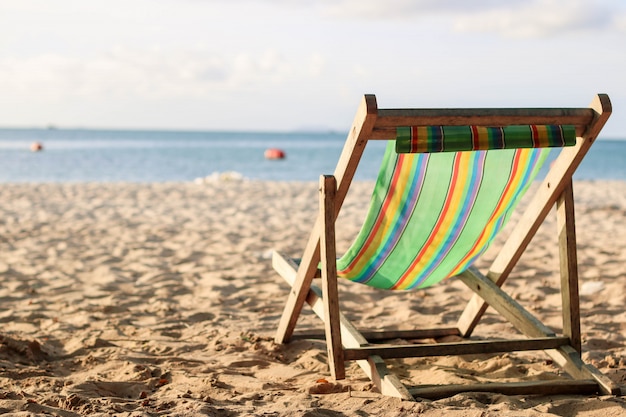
345,342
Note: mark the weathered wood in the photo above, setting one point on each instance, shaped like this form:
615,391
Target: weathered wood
566,357
389,119
375,335
504,304
328,189
570,361
350,156
473,347
374,367
483,117
554,387
561,172
344,341
569,266
381,335
360,133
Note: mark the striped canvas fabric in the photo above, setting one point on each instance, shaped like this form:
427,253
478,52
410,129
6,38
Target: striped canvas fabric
418,139
432,214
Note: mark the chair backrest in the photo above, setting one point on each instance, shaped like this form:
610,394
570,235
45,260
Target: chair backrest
432,214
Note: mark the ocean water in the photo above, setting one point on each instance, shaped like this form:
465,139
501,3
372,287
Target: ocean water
82,155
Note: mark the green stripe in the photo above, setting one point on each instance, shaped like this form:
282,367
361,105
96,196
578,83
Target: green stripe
460,138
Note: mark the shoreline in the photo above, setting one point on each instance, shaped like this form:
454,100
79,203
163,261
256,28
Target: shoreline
159,299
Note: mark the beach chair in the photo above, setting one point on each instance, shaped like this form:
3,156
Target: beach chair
434,211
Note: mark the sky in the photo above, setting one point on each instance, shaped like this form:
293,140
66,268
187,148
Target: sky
283,65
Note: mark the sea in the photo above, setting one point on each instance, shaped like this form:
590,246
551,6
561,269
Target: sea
90,155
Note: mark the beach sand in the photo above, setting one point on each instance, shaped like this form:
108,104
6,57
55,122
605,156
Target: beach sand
160,299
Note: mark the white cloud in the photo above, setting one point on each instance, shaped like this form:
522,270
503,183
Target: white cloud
117,72
316,65
402,9
171,63
513,18
542,18
620,22
152,73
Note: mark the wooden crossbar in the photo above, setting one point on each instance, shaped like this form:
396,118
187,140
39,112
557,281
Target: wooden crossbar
565,356
573,387
381,335
472,347
389,119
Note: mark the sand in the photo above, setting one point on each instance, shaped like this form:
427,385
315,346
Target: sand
160,299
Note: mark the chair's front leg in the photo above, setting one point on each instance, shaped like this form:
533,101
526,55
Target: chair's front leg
328,189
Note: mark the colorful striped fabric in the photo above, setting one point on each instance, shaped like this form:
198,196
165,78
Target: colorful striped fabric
419,139
432,215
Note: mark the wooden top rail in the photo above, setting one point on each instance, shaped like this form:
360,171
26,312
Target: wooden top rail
388,119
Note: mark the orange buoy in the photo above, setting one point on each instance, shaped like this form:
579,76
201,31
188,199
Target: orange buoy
274,153
36,147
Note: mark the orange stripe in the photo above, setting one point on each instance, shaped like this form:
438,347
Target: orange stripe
503,199
379,221
440,221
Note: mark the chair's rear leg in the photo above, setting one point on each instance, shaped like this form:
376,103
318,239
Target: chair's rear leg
555,182
569,266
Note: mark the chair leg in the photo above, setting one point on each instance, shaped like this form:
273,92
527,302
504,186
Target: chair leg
328,188
565,356
555,182
568,266
356,141
374,366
